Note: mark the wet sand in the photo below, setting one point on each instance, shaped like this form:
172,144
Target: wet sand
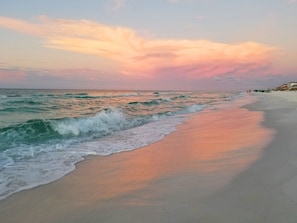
221,165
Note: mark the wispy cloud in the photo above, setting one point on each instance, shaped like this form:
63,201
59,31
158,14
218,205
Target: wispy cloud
11,75
200,17
136,55
117,4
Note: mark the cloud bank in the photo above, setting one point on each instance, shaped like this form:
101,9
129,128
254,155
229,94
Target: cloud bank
150,57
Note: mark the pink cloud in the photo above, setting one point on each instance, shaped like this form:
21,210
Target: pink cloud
149,57
11,75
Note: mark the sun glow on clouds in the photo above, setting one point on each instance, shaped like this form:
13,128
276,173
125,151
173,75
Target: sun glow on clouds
147,57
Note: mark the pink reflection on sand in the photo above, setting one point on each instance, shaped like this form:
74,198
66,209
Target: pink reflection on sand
213,142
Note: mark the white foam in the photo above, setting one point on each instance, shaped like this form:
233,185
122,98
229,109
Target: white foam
48,166
104,121
195,108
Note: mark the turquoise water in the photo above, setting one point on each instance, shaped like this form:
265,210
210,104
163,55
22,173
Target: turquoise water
43,133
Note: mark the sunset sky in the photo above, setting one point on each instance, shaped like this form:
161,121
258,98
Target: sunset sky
148,44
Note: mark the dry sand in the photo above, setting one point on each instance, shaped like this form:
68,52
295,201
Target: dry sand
267,191
219,166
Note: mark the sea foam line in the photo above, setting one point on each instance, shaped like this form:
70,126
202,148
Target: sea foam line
48,167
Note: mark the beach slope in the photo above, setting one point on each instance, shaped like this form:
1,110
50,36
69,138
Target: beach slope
267,190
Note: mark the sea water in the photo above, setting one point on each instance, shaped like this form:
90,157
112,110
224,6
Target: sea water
43,133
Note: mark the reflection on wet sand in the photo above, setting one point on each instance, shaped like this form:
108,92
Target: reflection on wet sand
207,143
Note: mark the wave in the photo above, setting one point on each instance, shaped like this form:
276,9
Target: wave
38,131
82,95
22,109
103,123
14,95
20,101
152,102
159,100
3,96
29,132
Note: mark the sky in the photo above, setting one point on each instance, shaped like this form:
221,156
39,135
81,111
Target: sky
148,45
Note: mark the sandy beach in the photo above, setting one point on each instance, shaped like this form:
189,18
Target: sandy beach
236,163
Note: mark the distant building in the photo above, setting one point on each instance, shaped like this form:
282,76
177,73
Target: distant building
292,86
283,87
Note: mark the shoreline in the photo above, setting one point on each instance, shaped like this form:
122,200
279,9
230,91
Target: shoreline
266,191
162,183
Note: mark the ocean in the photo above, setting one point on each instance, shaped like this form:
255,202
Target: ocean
44,133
